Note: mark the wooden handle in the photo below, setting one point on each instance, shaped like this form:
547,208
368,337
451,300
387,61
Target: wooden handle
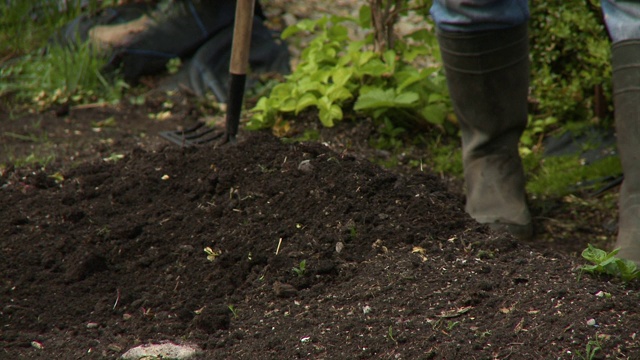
242,37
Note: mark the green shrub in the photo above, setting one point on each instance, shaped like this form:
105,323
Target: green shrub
38,72
570,53
61,75
340,77
27,25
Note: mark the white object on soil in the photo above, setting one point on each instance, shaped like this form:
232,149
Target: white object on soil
167,350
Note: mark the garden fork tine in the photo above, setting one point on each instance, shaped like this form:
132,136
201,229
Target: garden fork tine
238,67
199,134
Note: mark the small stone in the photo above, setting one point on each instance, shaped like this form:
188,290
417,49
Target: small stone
37,345
92,325
339,247
165,177
366,309
305,166
115,348
600,294
126,317
166,350
284,290
591,322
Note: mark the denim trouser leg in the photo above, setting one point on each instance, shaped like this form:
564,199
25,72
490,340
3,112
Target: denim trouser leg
479,15
622,17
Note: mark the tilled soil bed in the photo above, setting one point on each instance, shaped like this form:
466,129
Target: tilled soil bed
314,254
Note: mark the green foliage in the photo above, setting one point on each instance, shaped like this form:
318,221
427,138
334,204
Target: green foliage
570,53
35,70
560,175
592,347
390,334
445,158
535,132
28,24
301,269
61,75
341,77
609,264
233,310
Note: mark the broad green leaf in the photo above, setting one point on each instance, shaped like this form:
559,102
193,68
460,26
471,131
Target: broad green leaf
375,98
341,76
414,51
338,93
327,116
305,101
594,254
288,105
378,98
303,25
261,105
338,32
408,78
435,114
365,56
435,97
390,59
364,17
324,103
406,98
308,85
282,90
375,67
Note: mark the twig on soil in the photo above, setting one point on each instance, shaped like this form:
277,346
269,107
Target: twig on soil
89,106
177,284
117,299
278,248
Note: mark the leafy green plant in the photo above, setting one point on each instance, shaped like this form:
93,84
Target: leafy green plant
233,310
37,70
27,25
174,65
607,263
61,75
353,233
301,269
592,347
212,254
390,334
570,52
452,324
534,133
343,77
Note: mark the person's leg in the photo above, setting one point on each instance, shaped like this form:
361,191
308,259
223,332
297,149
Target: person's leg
479,15
623,22
485,53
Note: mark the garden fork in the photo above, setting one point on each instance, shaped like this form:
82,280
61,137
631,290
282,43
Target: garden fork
239,64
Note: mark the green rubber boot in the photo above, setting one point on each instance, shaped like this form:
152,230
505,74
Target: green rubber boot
626,86
488,78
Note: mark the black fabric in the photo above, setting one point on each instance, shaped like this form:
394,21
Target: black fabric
199,32
208,69
179,33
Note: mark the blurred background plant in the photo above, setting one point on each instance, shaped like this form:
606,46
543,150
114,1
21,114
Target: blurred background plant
570,62
36,71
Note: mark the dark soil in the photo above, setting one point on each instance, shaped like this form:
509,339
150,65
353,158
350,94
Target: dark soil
100,256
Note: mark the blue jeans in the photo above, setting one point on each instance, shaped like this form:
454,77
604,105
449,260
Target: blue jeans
622,17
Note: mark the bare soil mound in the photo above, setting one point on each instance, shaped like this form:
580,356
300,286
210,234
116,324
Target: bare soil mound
103,256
